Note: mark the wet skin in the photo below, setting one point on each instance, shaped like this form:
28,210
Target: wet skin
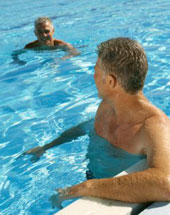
132,123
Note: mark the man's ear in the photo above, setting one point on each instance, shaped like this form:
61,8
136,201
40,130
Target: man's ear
111,81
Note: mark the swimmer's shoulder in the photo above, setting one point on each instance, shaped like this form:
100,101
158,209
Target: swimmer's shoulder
62,44
157,128
31,45
158,120
104,107
157,140
105,116
157,117
58,42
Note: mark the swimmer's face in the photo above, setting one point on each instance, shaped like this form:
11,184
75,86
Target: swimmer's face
105,83
99,78
44,33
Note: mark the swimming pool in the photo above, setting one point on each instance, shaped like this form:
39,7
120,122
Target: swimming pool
46,96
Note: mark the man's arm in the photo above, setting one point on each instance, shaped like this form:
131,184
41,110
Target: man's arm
66,136
149,185
69,49
32,45
15,56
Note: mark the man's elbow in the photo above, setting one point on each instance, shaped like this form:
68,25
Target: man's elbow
164,194
167,188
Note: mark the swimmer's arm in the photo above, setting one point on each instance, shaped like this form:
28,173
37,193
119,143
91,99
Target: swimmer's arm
149,185
69,135
32,45
66,136
15,56
72,51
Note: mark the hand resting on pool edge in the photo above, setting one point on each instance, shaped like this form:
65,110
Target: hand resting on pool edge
127,120
58,198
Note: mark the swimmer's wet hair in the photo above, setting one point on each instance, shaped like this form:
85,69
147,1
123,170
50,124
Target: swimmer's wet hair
126,59
42,20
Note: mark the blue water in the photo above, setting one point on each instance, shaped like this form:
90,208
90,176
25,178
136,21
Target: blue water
46,96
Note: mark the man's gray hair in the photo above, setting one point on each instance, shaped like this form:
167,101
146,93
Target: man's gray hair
126,59
42,20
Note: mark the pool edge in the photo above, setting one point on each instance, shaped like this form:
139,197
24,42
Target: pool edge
96,206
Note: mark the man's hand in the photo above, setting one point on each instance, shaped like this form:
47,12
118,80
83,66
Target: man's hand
36,152
15,57
66,57
57,199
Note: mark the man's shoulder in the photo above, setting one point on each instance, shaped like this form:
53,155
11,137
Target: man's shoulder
59,42
104,106
105,111
157,141
31,45
157,118
157,125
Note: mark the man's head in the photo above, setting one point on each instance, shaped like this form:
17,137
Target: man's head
125,59
44,30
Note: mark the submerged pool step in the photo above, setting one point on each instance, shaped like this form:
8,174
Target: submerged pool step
96,206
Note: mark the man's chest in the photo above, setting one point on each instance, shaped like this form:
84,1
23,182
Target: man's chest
124,136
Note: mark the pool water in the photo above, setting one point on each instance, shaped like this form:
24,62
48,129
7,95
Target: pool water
46,96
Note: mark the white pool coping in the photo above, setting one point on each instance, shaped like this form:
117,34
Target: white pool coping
96,206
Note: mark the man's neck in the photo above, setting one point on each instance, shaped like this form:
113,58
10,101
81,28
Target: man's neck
129,108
